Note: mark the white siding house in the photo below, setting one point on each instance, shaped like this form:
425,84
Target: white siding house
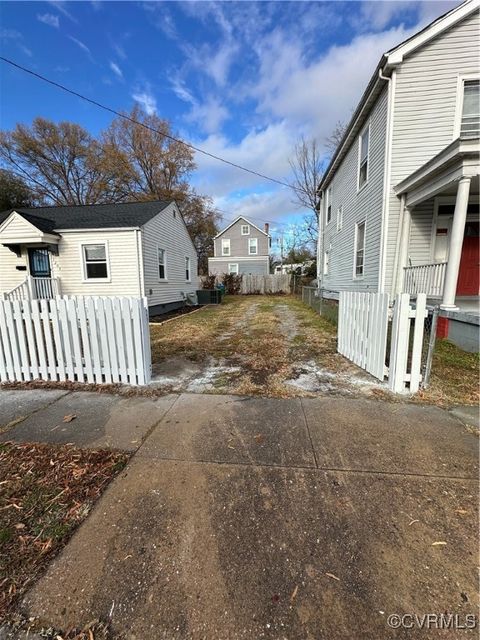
104,250
409,220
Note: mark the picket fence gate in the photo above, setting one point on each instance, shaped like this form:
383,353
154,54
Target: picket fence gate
84,339
363,322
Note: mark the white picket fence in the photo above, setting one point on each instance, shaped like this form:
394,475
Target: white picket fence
273,283
362,336
362,330
85,339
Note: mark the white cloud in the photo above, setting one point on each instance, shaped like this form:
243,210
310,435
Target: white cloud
50,19
61,6
147,101
15,36
116,70
210,115
378,14
80,44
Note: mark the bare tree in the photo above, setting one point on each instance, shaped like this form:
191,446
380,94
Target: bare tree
334,139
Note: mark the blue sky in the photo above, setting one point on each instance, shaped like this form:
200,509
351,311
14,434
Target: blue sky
242,80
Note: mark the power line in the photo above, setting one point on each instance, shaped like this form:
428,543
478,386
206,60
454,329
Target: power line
142,124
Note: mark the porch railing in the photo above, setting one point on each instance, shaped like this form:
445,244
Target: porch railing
33,288
425,278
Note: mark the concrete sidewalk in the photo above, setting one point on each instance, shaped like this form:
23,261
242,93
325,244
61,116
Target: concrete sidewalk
258,518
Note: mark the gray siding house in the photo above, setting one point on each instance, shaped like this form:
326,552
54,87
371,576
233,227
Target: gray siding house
399,200
241,248
130,249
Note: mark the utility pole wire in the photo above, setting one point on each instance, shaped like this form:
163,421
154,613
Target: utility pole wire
126,117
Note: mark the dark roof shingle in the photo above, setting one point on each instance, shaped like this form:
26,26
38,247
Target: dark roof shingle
95,216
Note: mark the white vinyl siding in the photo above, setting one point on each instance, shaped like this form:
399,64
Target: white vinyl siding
426,114
170,233
339,218
252,246
357,206
225,246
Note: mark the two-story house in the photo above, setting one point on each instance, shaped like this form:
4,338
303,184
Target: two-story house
241,248
399,200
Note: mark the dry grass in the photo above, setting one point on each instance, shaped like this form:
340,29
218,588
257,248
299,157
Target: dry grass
46,491
454,378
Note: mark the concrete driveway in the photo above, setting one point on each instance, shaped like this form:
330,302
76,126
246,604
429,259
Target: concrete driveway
266,518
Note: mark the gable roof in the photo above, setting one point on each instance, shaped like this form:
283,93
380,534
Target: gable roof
245,220
387,62
95,216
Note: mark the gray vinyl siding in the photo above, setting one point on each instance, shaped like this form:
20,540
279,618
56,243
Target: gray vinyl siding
239,243
425,110
253,267
169,233
420,247
358,206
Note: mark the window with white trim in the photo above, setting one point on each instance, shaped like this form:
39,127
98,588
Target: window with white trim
363,149
162,263
225,246
339,217
252,246
187,269
359,249
95,264
470,122
326,262
233,268
245,229
329,204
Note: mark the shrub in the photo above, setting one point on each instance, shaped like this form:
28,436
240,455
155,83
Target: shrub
208,282
232,283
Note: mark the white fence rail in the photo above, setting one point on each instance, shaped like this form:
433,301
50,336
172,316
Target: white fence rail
85,339
274,283
35,288
363,330
425,278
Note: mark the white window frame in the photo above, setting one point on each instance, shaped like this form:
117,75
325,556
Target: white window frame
340,217
83,261
328,207
165,278
188,268
359,276
247,227
235,270
225,245
250,252
461,79
326,262
360,138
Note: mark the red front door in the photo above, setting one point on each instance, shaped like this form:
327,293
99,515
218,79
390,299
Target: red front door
468,276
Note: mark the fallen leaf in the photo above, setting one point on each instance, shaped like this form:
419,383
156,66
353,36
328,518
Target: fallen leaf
410,523
461,511
20,525
69,418
331,575
259,437
438,543
294,594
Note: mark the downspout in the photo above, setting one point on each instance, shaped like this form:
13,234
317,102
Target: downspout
397,276
386,179
319,238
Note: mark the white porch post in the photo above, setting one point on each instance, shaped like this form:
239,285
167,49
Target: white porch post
455,245
403,249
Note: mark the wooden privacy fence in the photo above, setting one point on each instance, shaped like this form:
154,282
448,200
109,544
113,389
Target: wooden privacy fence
274,283
84,339
362,336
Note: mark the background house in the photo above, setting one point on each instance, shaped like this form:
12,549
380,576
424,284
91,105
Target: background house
241,248
128,249
399,200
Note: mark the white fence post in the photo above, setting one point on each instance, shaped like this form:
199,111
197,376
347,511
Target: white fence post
83,339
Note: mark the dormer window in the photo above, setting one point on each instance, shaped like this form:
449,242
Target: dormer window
245,229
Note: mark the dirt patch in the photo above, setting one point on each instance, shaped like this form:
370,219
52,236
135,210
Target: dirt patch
46,492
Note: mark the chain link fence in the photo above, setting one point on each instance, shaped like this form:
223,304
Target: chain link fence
326,307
